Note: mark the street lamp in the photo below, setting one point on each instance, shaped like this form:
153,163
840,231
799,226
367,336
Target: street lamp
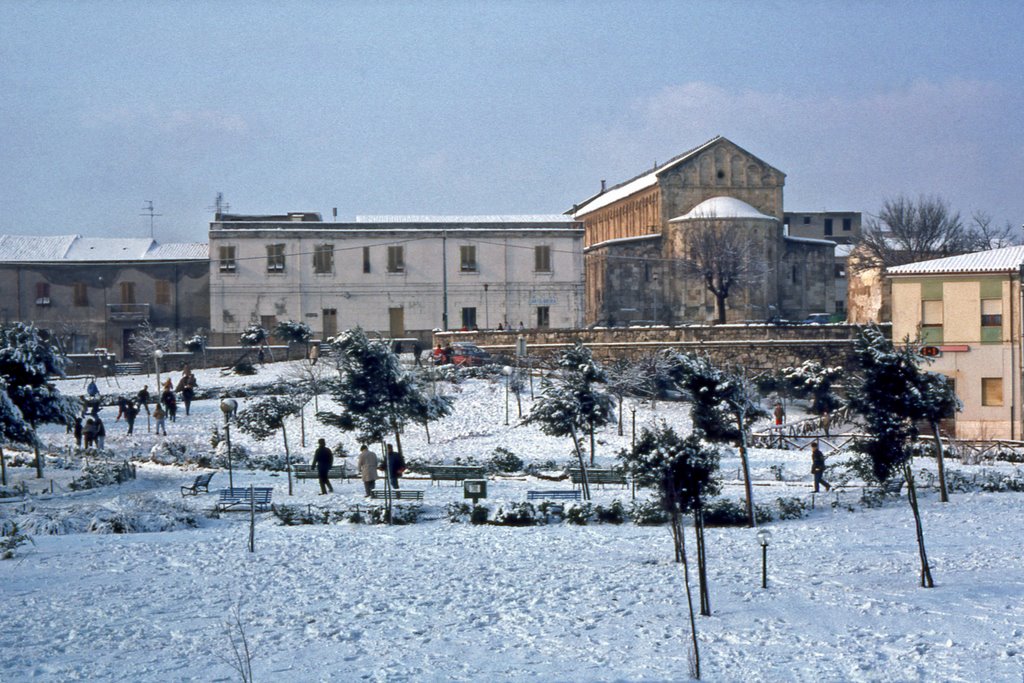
763,536
228,406
507,371
157,355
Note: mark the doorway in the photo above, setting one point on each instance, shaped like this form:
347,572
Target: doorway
330,319
396,320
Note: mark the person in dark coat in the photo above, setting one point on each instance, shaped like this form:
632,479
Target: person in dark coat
170,402
77,428
131,411
121,403
818,467
89,432
323,459
143,398
187,389
396,466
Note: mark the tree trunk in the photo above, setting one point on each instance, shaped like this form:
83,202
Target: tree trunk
519,401
720,299
585,484
287,457
591,430
387,482
680,544
926,572
620,415
39,457
702,575
940,459
3,468
751,522
426,428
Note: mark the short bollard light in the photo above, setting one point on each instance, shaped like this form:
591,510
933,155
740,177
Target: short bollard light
507,371
763,537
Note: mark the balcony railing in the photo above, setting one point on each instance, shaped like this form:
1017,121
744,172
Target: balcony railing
128,312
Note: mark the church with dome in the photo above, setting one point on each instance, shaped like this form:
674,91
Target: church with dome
640,236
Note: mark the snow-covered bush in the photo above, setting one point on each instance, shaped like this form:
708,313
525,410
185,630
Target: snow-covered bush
727,512
579,513
648,513
505,461
515,514
195,344
253,335
460,512
790,508
400,514
97,474
134,514
10,540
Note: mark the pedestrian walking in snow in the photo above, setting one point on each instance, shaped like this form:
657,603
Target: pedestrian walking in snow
143,398
121,403
170,404
323,460
367,464
260,357
818,468
396,466
89,432
131,411
160,417
779,412
314,354
101,433
77,429
187,388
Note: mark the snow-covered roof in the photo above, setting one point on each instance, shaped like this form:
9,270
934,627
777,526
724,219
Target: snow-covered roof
722,207
41,249
809,240
498,218
623,240
844,250
991,261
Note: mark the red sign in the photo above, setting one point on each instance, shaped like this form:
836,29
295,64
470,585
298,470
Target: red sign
930,351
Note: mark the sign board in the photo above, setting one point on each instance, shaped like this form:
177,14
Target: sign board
930,351
474,488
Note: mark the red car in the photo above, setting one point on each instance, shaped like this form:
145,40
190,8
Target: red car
468,355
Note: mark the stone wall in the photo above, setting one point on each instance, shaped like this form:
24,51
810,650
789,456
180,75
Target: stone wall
756,347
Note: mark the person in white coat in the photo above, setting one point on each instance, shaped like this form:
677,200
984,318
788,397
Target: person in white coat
367,464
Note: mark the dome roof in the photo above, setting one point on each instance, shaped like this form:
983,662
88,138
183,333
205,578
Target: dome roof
722,207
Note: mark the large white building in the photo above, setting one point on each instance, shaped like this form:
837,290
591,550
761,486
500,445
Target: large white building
401,276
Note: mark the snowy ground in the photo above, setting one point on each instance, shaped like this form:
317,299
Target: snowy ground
440,601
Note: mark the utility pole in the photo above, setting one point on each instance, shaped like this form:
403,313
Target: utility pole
444,278
148,209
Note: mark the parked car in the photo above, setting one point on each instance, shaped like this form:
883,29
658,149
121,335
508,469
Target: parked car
818,319
468,354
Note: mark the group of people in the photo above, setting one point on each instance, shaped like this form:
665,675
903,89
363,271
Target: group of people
368,464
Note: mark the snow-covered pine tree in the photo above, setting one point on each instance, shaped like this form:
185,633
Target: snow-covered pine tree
13,428
27,360
574,402
725,406
256,335
889,395
260,420
294,332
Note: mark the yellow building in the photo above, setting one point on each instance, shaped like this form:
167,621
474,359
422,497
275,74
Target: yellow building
968,308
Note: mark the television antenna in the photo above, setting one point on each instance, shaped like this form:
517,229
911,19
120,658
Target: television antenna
148,208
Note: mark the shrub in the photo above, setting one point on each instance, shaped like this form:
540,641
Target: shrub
504,460
726,512
648,513
613,514
579,513
95,475
790,508
517,514
400,514
11,539
244,367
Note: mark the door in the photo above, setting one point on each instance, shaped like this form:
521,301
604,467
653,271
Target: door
330,319
396,318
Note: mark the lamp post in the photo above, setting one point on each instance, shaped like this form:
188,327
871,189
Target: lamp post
487,314
763,536
228,406
157,355
507,371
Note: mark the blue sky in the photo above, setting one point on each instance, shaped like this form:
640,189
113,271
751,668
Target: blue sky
474,107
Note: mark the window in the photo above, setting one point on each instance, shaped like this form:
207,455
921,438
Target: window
467,259
931,321
542,259
127,292
828,226
840,270
275,258
163,292
991,321
81,294
543,317
366,259
42,294
847,224
396,259
323,258
469,318
227,259
991,391
807,220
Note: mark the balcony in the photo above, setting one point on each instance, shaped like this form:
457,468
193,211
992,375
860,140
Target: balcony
127,312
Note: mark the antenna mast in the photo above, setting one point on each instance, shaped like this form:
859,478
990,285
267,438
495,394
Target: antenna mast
148,208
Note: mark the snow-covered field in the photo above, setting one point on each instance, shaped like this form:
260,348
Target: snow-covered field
441,601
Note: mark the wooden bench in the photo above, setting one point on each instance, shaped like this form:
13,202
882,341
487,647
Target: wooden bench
202,483
454,472
599,476
397,494
554,494
243,499
310,472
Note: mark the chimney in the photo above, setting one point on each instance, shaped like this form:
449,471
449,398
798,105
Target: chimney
602,185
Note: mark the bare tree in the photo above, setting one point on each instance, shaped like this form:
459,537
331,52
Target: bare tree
987,236
907,231
723,256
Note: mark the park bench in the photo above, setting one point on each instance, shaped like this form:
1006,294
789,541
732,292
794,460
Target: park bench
554,494
454,472
599,476
397,494
243,499
202,483
302,471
